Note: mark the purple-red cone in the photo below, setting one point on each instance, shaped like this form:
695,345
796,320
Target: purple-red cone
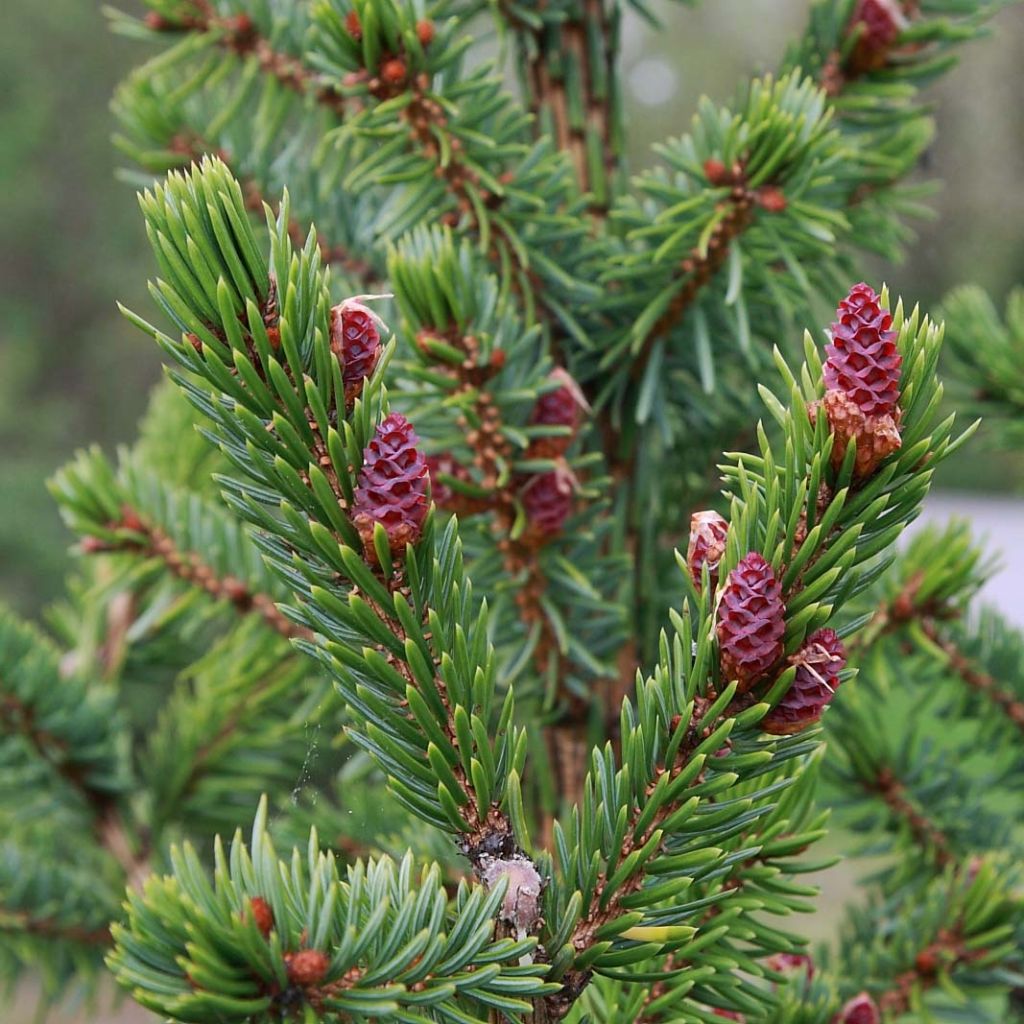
880,23
860,1009
818,664
708,532
392,488
547,500
862,377
355,340
751,622
863,361
558,408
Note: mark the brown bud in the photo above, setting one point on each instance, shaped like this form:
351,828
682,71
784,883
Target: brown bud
393,71
307,966
241,28
353,26
425,32
771,198
130,519
156,22
262,915
715,172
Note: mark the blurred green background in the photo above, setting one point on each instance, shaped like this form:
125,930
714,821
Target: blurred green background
71,370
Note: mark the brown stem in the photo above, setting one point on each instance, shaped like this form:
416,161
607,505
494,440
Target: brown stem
974,677
699,268
50,928
190,568
906,608
571,42
567,739
925,832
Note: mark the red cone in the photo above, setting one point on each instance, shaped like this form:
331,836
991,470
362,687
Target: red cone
751,622
355,340
880,22
547,499
558,408
859,1010
818,663
708,532
863,360
392,486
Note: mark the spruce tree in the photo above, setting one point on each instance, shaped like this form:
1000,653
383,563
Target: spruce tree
453,587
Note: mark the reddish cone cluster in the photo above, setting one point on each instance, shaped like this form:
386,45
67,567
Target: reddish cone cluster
355,341
392,486
818,664
751,622
859,1010
547,500
307,966
558,408
862,377
708,532
262,915
879,22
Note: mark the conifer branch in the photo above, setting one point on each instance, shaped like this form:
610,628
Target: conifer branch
126,510
358,269
460,648
673,777
704,261
924,831
569,75
51,928
148,540
239,35
19,716
193,148
986,349
947,953
257,939
972,676
427,688
940,573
